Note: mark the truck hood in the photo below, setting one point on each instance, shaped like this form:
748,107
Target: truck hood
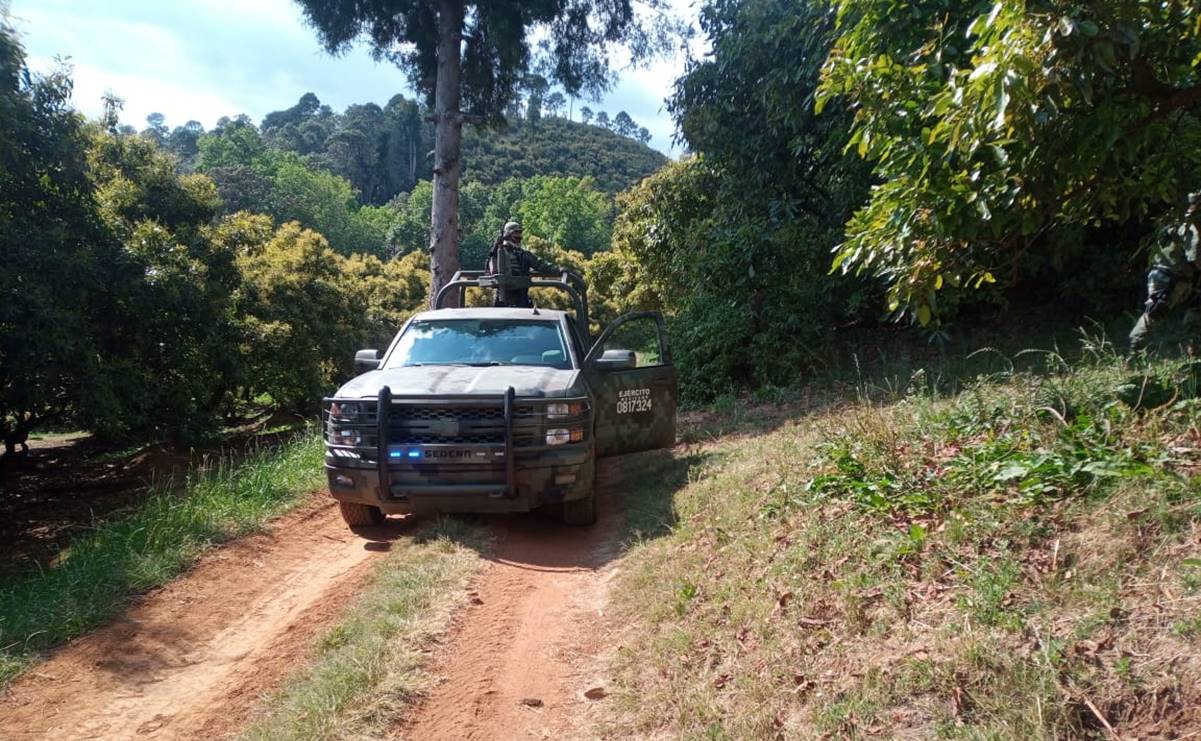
447,380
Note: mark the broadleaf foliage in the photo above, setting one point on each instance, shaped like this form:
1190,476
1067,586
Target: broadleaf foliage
1003,129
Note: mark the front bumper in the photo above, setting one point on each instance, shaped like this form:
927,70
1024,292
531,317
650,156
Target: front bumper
549,477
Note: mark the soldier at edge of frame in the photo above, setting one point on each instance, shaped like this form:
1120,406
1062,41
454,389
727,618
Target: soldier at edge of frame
1174,279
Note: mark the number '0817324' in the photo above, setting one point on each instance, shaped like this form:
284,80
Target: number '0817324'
632,401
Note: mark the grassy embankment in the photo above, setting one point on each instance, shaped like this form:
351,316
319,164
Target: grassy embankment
94,576
371,666
1018,559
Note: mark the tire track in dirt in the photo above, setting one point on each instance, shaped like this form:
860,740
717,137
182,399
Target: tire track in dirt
520,657
192,659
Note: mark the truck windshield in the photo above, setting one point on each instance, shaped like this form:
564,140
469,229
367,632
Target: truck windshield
481,342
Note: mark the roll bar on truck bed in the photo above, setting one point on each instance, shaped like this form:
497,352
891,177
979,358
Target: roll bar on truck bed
567,281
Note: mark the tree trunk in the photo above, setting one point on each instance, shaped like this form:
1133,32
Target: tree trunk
448,131
413,139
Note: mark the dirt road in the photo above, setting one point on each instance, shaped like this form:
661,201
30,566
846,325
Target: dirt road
523,654
191,659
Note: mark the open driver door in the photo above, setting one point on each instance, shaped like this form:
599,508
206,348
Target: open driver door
630,371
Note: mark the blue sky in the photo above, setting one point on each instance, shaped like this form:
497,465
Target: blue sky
203,59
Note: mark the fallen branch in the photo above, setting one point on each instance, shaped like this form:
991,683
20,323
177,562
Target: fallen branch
1097,713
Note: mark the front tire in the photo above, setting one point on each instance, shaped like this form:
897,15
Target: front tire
360,515
581,512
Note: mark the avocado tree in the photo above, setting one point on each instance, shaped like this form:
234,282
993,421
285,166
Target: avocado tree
735,242
48,226
469,56
1000,131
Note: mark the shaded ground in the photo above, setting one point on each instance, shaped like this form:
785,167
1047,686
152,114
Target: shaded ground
61,488
192,659
69,482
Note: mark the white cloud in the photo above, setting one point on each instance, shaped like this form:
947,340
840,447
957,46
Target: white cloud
642,90
194,59
271,16
148,65
142,96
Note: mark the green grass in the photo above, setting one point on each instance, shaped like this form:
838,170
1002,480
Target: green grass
977,557
368,669
94,576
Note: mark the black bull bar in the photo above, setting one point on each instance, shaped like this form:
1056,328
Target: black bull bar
383,411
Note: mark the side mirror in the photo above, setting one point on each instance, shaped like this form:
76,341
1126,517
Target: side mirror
616,360
366,360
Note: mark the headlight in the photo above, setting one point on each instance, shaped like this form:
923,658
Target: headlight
561,409
346,411
341,413
564,436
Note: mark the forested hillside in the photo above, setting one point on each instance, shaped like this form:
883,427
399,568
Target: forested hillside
137,306
384,152
362,177
794,167
1048,194
552,145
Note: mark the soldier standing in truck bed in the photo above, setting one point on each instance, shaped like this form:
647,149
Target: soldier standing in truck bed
1174,280
508,259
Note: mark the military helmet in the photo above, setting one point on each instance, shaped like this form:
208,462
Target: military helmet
511,228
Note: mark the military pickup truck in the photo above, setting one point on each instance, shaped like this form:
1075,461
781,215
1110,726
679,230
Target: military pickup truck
497,409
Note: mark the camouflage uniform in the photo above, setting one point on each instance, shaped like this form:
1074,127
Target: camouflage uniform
1174,279
507,258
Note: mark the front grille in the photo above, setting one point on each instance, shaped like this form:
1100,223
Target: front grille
462,414
409,439
412,423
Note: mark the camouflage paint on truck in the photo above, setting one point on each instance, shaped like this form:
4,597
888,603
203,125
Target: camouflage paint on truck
499,438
